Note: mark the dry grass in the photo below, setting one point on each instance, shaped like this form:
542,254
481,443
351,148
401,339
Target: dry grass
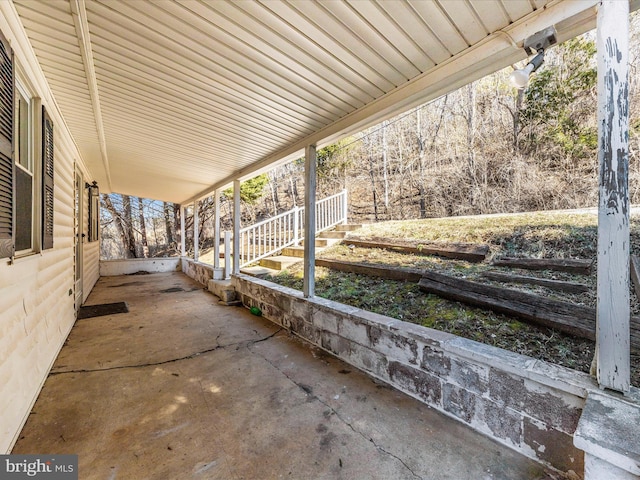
539,235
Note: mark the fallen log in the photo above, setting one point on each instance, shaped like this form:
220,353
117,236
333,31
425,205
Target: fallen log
563,286
569,318
558,264
458,251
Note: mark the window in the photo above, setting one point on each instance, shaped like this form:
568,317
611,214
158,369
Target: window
94,212
25,173
26,164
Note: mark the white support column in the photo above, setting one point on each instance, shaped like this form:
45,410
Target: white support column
216,229
183,237
309,283
236,227
196,232
612,332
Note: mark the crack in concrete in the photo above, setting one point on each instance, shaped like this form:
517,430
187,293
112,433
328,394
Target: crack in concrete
309,391
239,345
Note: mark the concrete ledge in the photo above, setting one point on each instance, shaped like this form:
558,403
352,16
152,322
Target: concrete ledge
529,405
110,268
609,435
224,290
201,272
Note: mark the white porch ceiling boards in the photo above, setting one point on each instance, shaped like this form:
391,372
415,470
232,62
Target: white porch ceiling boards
169,99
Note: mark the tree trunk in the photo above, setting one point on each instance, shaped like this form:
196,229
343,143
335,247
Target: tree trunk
373,183
516,120
293,183
203,209
274,193
421,165
143,229
117,220
385,177
177,226
168,223
127,225
471,156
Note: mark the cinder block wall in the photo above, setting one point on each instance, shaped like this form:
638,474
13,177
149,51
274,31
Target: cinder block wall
529,405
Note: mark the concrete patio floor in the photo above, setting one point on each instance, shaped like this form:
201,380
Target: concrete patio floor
181,387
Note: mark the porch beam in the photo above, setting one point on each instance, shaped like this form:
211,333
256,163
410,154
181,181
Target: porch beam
196,232
81,24
236,227
613,309
216,229
309,221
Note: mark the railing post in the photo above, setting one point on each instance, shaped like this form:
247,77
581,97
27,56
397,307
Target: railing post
227,255
296,226
345,208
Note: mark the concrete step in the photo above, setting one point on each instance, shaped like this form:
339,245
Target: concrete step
299,251
332,234
321,242
326,242
258,271
293,252
279,262
292,255
349,227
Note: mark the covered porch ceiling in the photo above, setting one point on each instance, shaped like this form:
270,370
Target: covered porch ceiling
171,99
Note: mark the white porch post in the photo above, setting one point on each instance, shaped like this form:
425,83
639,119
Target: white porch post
612,332
216,229
183,239
196,232
296,225
309,221
236,227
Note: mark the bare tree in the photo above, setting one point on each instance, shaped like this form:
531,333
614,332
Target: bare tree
169,223
143,229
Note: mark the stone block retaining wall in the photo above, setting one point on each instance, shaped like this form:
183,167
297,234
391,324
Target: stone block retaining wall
530,405
200,272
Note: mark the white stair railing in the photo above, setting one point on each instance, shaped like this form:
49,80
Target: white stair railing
270,236
331,211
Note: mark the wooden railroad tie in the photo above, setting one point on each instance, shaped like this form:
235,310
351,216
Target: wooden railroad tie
558,264
458,251
576,320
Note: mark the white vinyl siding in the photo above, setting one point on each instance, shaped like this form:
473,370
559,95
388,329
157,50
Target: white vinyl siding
36,291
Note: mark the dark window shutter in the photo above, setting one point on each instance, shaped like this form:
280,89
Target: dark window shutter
23,202
47,180
6,149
